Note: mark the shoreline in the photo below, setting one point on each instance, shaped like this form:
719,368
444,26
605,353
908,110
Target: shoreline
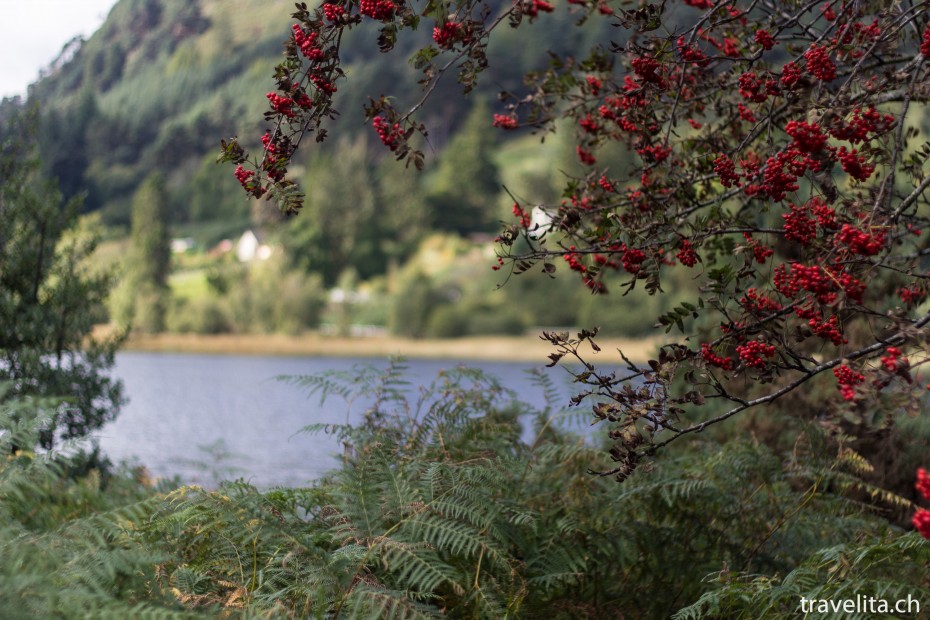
529,348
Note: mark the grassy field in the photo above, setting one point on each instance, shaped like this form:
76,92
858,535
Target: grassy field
514,348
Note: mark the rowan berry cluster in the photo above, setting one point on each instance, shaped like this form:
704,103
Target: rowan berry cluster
632,259
894,360
854,164
755,303
923,483
726,171
912,295
753,88
790,74
921,518
448,34
819,63
379,10
333,12
307,43
861,124
707,352
847,379
828,330
808,138
760,251
860,242
504,122
692,53
391,135
282,105
533,8
925,43
753,352
921,522
585,156
686,255
765,39
798,225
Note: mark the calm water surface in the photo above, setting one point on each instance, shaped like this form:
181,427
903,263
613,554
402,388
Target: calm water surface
209,417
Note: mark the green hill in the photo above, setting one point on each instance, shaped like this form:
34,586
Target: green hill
161,81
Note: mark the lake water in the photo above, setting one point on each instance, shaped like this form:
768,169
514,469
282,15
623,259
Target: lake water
210,417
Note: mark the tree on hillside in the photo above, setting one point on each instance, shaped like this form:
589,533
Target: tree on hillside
778,161
48,300
347,225
465,198
143,295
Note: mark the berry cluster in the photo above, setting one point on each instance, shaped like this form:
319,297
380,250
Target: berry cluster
925,43
534,7
654,153
573,259
333,12
860,242
588,124
826,217
307,43
752,88
686,255
707,352
691,53
854,164
391,135
726,171
632,259
281,105
760,251
379,10
448,34
799,226
765,39
847,380
813,279
755,303
746,114
504,122
753,352
790,74
923,483
585,156
912,295
894,361
648,70
828,330
819,63
921,522
808,138
861,124
779,178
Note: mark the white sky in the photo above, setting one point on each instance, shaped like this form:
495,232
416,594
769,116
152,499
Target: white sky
32,33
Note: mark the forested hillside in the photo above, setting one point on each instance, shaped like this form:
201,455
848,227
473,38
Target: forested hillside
161,79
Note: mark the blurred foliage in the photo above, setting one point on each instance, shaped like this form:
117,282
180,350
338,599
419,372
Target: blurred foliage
49,298
441,509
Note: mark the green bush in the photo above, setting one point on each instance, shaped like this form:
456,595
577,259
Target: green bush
199,316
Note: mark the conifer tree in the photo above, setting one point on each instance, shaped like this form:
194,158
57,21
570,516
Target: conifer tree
47,297
145,298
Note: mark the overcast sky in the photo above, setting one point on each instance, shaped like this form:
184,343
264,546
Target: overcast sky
32,33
